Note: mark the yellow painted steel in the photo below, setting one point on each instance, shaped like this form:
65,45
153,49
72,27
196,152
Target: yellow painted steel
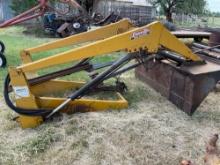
79,105
84,105
55,86
29,122
18,79
157,36
34,101
93,35
120,36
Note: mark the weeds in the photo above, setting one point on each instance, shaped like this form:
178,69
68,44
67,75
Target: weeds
39,144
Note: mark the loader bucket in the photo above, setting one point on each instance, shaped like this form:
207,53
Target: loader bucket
186,87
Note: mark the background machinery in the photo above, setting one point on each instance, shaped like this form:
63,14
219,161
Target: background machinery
59,22
2,56
56,22
66,23
164,59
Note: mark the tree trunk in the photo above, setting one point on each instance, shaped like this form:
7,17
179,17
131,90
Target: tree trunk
169,15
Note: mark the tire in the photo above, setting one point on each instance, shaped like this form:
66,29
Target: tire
3,61
2,47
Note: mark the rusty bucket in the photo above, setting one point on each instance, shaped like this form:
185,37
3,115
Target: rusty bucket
215,37
185,86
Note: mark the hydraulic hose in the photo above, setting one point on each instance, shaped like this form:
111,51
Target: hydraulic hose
26,112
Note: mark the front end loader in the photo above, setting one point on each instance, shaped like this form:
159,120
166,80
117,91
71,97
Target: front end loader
37,97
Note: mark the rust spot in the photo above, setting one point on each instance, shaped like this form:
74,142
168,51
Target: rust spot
71,109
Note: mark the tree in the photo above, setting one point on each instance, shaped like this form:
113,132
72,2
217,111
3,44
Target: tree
167,6
180,6
86,4
215,14
192,6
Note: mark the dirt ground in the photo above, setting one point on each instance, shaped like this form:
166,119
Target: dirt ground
152,131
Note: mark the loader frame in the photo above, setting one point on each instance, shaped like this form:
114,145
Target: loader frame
139,43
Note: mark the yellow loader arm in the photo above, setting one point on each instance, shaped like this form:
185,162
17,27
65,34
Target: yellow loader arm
90,36
149,38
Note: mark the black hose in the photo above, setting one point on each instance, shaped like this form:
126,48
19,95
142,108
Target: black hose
26,112
101,77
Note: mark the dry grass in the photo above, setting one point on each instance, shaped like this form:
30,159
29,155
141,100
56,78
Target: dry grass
152,131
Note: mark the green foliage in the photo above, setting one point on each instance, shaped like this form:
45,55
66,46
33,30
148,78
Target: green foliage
180,6
192,6
215,14
19,6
